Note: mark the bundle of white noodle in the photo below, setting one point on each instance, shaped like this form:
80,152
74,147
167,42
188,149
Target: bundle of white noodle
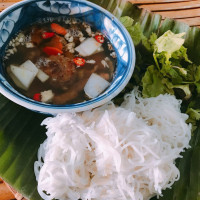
121,153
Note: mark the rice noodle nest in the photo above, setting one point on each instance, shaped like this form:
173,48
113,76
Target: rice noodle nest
126,152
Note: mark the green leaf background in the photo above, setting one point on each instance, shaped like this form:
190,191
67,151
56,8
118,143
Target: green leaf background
21,133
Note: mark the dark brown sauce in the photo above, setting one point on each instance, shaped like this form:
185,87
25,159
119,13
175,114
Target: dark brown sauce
67,80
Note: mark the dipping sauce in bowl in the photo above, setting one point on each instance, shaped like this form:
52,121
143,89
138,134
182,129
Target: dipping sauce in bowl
59,56
62,62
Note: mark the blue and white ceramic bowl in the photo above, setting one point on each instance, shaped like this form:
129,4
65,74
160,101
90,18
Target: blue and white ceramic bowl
21,14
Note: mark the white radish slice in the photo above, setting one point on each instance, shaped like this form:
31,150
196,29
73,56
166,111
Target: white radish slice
95,86
100,49
24,76
47,96
29,66
42,76
88,47
15,80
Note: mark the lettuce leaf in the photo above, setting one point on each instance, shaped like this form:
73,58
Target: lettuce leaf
169,42
169,50
126,21
135,32
155,84
152,39
197,74
197,87
193,113
180,54
194,116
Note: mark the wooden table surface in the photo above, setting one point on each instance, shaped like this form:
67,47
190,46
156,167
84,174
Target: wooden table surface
5,193
187,11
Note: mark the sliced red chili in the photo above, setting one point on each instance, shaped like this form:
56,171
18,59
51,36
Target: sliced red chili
46,35
99,38
37,97
79,61
52,51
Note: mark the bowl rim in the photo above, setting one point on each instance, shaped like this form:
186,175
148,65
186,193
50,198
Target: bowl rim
82,106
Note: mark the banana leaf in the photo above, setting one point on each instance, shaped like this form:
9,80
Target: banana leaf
20,137
21,133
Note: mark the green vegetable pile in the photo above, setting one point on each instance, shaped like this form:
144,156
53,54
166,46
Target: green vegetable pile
164,67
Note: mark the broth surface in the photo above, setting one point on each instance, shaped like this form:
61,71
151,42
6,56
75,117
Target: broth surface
55,54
